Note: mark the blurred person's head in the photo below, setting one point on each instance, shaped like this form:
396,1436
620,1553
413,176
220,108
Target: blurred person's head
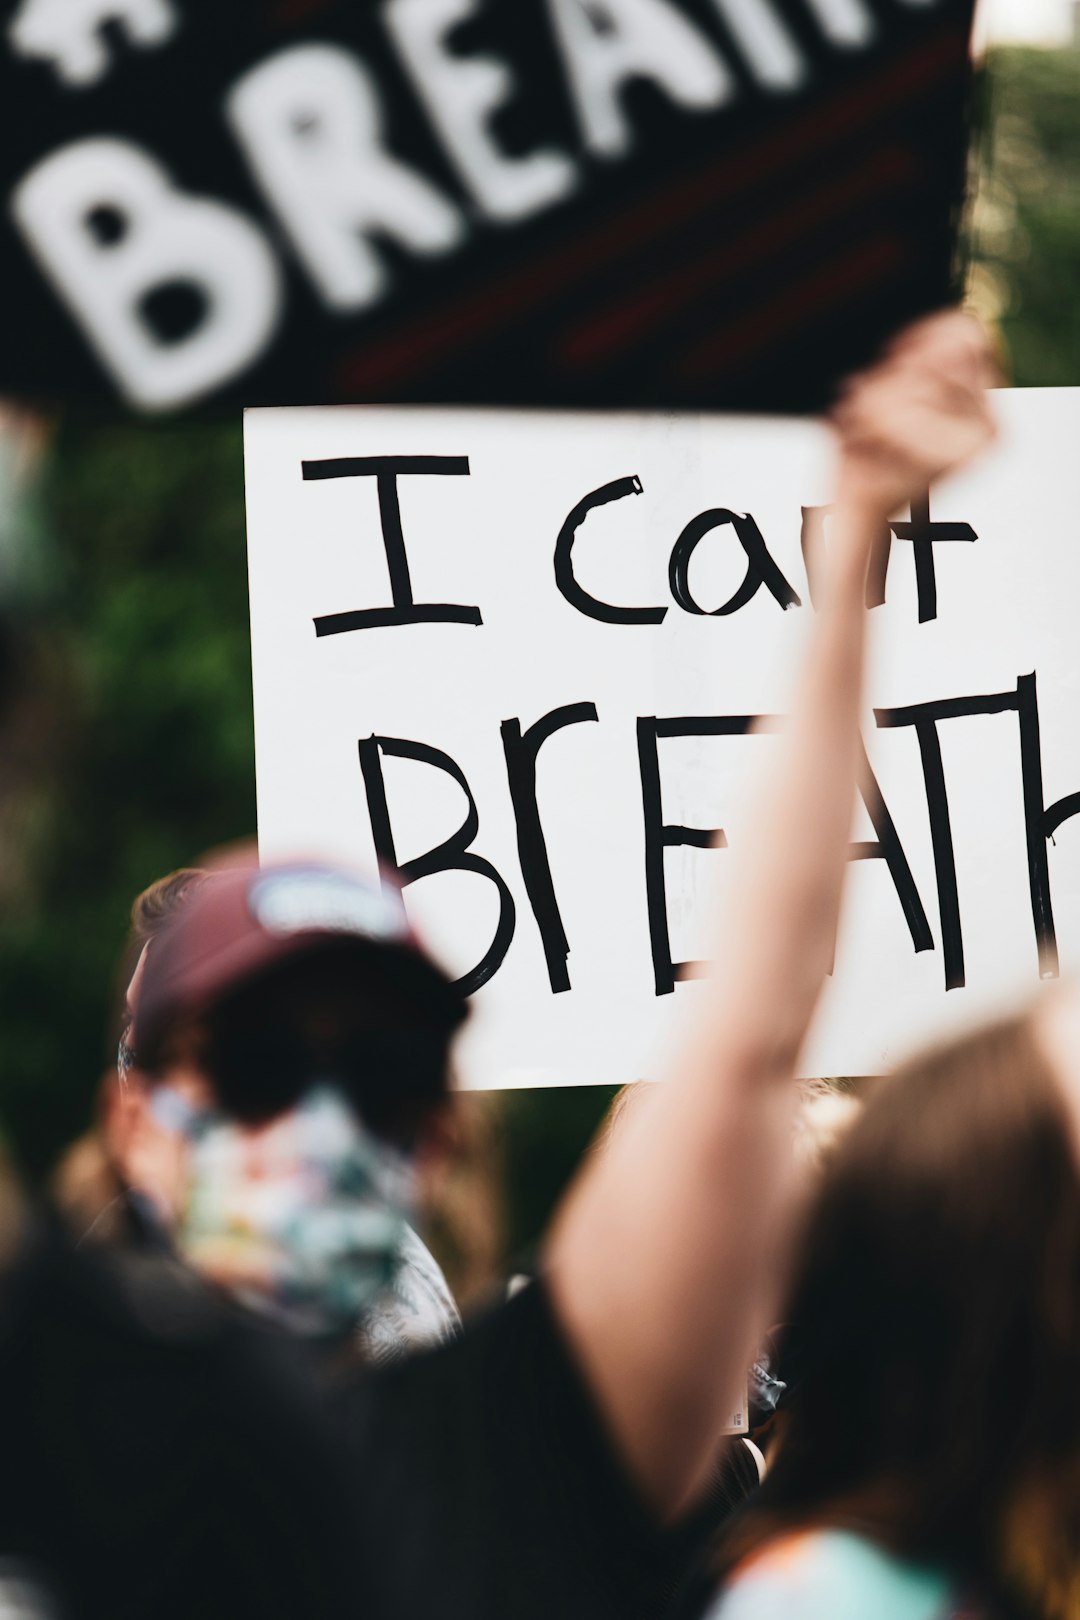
934,1338
824,1117
291,1043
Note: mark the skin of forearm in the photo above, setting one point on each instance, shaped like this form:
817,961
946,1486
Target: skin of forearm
787,888
665,1336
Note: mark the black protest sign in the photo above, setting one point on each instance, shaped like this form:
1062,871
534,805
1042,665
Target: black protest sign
725,203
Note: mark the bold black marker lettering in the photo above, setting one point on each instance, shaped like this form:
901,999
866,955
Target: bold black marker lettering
1060,811
812,540
564,562
386,470
1053,817
1040,824
760,566
925,718
924,535
521,750
888,848
659,836
454,855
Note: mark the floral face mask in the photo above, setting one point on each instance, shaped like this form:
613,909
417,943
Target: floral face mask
300,1219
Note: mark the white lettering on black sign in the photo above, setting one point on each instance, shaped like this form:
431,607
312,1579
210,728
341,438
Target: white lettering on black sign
489,177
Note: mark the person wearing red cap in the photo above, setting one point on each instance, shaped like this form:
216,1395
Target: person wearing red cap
291,1041
231,946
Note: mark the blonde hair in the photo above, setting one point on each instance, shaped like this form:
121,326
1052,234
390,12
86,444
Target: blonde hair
825,1115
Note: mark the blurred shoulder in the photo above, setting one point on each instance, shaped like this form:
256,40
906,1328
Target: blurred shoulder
833,1575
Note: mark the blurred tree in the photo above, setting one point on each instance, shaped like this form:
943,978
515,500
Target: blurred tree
1025,264
128,742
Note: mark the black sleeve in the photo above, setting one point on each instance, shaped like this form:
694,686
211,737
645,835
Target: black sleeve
160,1457
490,1489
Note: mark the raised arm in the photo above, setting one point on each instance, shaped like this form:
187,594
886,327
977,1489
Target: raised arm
667,1250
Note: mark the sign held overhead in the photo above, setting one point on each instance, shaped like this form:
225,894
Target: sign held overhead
657,202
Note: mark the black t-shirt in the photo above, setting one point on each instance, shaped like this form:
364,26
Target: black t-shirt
162,1456
489,1488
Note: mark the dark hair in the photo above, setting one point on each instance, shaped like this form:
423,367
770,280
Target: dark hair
934,1347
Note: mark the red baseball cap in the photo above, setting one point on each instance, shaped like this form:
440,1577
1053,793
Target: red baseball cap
242,921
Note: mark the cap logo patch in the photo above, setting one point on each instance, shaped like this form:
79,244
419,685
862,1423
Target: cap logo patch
303,900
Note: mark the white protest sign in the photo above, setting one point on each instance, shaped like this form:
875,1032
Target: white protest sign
495,636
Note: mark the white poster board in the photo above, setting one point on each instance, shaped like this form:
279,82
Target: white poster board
441,580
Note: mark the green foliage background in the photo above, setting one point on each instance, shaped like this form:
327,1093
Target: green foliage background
1026,230
130,734
127,746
